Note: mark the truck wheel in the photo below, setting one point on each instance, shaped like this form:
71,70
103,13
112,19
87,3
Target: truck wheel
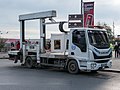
29,62
73,67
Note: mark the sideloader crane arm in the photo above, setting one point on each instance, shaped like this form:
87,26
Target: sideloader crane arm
40,15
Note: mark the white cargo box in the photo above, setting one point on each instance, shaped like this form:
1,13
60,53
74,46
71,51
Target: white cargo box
58,43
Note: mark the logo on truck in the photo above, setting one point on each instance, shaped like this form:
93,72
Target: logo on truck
73,47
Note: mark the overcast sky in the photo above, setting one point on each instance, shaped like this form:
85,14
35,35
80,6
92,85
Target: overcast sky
105,11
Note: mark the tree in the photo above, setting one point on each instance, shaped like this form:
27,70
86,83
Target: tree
108,29
2,43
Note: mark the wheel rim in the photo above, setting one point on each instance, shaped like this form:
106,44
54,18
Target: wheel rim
72,67
28,62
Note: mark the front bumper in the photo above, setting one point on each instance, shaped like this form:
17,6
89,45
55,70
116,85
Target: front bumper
98,66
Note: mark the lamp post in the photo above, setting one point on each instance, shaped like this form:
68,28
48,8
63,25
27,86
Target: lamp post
113,29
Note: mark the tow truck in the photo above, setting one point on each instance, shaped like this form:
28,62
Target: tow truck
79,49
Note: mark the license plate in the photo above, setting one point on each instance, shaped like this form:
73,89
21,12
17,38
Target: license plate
103,65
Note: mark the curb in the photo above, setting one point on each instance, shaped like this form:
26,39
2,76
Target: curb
4,57
111,70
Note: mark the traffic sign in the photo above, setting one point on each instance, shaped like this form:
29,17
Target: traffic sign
75,17
75,24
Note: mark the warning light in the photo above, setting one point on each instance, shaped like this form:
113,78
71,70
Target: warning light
89,17
89,20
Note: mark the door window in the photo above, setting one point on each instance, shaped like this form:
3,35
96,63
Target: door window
79,40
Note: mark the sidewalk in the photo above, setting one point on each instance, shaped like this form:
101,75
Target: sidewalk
115,62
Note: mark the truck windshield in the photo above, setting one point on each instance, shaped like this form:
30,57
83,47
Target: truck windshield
98,39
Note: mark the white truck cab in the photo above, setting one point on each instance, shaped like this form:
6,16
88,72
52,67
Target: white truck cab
89,47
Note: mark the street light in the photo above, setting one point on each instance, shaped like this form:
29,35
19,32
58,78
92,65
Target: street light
1,33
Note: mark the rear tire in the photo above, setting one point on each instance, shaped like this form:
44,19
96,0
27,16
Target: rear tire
73,67
30,63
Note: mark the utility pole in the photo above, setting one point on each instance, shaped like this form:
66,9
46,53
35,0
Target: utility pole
113,29
82,12
81,6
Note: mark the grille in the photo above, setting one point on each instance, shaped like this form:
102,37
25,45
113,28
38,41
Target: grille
102,61
102,57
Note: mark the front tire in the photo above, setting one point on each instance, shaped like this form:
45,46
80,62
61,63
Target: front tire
73,67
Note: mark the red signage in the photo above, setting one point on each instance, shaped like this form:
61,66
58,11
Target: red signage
88,14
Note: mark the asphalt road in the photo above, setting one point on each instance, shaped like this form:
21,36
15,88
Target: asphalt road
15,77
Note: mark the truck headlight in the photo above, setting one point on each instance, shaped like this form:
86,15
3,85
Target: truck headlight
93,65
110,64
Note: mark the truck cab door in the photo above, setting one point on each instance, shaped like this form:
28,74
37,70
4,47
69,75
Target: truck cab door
79,44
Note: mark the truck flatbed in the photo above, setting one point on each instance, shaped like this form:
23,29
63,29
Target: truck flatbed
54,55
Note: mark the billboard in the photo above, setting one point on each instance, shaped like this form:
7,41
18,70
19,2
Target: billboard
88,12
